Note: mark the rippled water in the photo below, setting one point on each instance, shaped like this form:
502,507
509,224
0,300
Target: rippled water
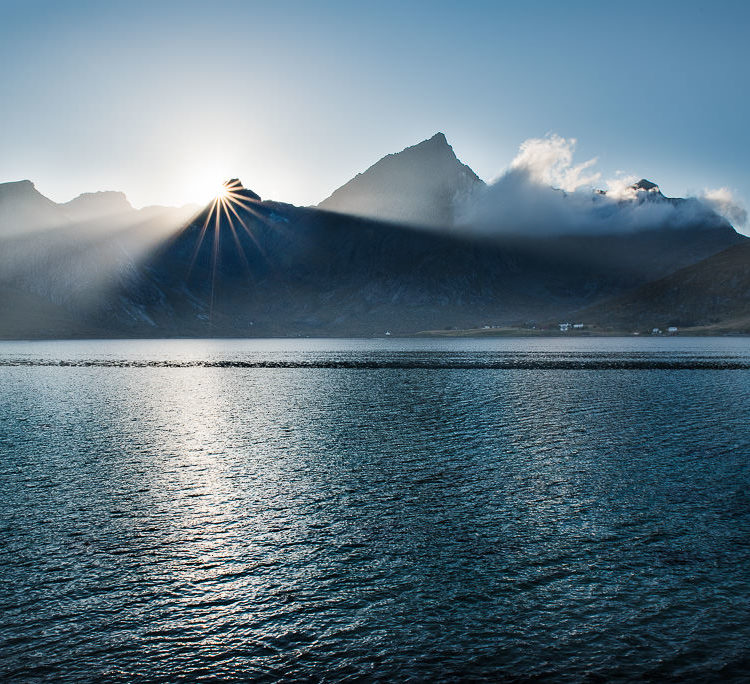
385,509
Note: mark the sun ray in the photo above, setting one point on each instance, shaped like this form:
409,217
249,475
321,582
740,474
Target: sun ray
201,236
244,203
215,257
232,201
240,248
248,231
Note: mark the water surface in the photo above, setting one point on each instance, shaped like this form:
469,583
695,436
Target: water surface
227,510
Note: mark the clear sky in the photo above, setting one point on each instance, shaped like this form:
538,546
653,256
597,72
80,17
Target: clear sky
164,100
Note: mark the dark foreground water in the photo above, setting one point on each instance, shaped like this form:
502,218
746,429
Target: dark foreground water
572,510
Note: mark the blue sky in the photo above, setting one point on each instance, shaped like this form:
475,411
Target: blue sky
165,100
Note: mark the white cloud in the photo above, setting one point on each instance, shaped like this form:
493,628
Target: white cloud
723,202
543,192
621,187
549,160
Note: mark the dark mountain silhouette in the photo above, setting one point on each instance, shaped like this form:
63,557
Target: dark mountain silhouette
296,271
713,294
271,269
423,185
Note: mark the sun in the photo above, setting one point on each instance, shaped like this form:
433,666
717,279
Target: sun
231,202
222,192
230,191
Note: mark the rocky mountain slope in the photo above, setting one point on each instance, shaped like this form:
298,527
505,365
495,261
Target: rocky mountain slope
423,185
713,294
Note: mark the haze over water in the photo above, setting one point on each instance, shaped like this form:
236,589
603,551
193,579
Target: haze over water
418,520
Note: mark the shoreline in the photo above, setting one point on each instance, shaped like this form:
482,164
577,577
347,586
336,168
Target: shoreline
509,333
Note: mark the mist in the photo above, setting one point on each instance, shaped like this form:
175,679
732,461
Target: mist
74,255
543,192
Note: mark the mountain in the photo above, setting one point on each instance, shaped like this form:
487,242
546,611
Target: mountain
292,271
94,205
647,186
713,294
247,267
422,185
666,212
59,262
23,208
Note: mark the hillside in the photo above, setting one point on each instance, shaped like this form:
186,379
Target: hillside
263,268
713,293
298,271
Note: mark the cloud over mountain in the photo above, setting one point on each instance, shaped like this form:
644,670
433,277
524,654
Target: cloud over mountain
543,192
722,201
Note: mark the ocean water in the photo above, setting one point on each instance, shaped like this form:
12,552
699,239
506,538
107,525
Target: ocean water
359,510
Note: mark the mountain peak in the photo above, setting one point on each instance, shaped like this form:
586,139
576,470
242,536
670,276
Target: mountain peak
646,185
436,145
422,184
17,188
234,185
23,191
21,204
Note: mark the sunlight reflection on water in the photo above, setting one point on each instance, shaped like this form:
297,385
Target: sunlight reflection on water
395,523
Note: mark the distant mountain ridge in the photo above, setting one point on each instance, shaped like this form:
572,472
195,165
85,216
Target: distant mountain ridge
24,208
60,261
91,205
424,184
247,267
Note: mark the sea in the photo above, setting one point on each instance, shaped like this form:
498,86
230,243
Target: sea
393,510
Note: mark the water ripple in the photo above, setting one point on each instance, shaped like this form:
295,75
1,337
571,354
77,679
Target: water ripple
394,522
